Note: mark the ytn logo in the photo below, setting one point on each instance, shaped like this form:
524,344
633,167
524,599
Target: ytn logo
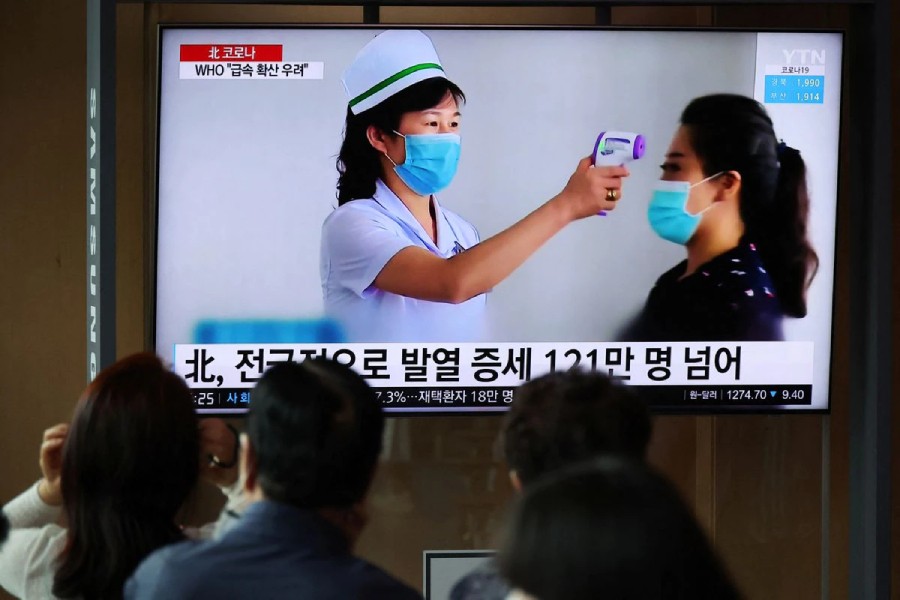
805,56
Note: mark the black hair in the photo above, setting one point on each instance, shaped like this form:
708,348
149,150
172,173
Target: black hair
358,163
730,132
129,462
4,528
567,417
316,431
613,529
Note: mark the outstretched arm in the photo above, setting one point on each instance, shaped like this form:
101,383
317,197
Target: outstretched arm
417,273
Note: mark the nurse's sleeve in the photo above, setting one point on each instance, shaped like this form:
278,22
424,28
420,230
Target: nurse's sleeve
357,244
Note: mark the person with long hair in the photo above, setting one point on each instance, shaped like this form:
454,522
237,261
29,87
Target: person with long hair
395,264
736,198
610,528
118,475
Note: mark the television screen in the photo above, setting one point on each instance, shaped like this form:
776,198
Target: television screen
699,297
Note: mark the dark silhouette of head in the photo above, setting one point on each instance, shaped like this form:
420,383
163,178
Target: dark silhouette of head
567,417
611,528
130,460
315,428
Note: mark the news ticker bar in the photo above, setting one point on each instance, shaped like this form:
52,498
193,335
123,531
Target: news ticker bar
480,399
407,366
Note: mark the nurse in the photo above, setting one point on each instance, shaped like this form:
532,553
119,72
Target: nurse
396,265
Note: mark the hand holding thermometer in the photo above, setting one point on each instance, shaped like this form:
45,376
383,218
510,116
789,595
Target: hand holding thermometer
614,148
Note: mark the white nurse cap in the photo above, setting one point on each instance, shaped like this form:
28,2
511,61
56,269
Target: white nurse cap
390,63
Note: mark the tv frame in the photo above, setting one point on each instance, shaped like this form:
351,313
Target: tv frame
840,228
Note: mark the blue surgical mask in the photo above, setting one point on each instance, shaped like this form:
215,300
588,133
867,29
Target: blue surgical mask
431,160
668,213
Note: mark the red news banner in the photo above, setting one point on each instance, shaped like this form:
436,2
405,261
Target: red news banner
243,62
483,376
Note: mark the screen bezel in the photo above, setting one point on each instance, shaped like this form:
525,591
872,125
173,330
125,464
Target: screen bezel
840,228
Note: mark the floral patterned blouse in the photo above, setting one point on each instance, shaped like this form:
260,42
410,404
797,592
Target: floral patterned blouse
730,298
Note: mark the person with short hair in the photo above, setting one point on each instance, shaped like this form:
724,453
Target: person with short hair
555,421
312,441
566,417
610,528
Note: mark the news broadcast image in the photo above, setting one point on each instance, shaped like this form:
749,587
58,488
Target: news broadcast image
250,125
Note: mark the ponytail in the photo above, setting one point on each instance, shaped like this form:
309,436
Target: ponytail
781,234
358,164
730,132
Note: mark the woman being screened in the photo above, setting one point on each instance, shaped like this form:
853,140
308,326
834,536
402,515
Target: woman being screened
737,200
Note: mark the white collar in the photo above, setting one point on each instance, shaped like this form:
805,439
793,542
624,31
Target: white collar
446,237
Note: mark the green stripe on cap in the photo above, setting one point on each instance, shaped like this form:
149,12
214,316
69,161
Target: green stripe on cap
396,77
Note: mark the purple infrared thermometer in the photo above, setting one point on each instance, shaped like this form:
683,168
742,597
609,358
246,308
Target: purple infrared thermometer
617,148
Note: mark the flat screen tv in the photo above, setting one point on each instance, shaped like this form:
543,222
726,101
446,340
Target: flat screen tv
251,123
